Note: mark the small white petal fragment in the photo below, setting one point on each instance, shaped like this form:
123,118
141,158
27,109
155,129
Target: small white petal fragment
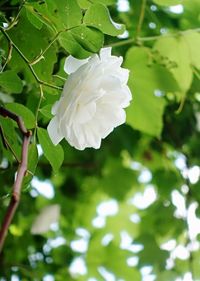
92,102
72,64
43,221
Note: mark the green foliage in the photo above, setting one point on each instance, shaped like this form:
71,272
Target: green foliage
146,103
98,16
119,202
25,113
54,154
10,82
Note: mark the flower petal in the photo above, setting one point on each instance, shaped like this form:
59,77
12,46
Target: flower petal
85,112
72,64
52,129
105,53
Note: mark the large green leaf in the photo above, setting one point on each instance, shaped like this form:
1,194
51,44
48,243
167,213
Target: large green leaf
81,41
193,41
33,17
146,110
62,14
54,154
70,44
91,39
10,139
177,53
22,111
99,17
10,82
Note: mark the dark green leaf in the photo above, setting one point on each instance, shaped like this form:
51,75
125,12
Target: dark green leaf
54,154
11,82
22,111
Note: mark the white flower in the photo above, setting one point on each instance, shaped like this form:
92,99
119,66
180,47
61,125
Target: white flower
92,102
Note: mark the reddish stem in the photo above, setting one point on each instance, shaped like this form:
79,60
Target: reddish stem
22,168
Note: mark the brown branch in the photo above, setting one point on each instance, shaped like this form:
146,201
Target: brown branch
22,168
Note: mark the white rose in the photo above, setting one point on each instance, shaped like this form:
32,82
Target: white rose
92,102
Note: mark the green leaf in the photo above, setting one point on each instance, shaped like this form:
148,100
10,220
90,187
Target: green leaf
146,110
168,2
85,4
62,14
11,138
54,154
82,41
193,41
69,43
11,82
46,111
99,16
26,114
32,164
91,39
33,17
39,40
176,51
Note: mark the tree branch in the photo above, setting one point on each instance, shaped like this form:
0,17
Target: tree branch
22,168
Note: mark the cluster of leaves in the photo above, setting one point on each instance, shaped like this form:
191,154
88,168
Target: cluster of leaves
161,50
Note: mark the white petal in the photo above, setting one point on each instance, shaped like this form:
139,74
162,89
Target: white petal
85,112
55,107
105,53
72,64
53,131
124,74
78,138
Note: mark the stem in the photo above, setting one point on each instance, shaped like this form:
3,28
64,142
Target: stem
141,17
151,38
22,168
59,77
15,20
27,62
8,57
37,112
38,58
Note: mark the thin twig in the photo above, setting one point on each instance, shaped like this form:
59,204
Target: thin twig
22,168
8,58
37,112
60,77
151,38
141,17
41,55
27,62
15,20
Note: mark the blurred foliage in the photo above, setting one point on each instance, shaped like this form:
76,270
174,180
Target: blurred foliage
118,205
